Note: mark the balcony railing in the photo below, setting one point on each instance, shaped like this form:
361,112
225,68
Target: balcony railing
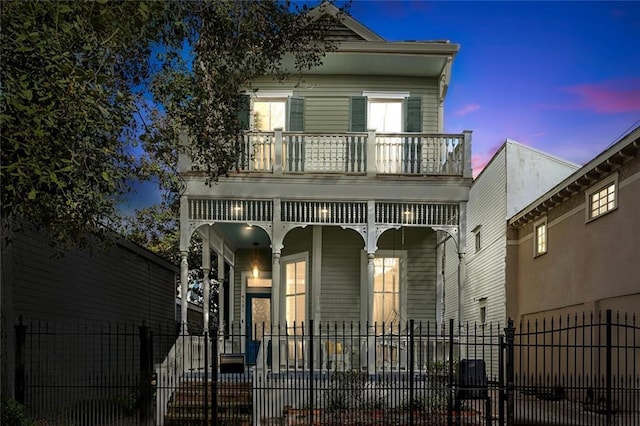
367,153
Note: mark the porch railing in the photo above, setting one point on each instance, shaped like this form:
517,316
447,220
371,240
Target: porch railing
368,153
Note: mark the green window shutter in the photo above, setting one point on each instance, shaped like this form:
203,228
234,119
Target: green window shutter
358,114
244,107
296,114
413,114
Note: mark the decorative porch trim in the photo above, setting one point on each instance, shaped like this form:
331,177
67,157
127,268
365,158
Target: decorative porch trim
425,214
241,211
324,212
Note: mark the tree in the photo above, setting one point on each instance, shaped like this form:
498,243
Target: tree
75,80
232,43
71,81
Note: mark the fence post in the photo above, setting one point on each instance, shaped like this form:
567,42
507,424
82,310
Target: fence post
608,367
214,374
206,379
146,362
311,381
450,376
21,336
510,339
501,393
411,372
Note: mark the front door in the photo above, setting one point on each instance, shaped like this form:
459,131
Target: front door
258,322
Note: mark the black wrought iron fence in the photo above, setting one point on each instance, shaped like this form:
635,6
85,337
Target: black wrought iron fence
578,370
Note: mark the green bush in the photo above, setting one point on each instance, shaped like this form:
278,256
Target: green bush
12,413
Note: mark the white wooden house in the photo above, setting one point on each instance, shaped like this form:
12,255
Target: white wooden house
334,211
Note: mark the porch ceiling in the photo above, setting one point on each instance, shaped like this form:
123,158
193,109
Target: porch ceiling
240,236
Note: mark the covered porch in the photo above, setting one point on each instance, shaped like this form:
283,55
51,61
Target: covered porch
352,274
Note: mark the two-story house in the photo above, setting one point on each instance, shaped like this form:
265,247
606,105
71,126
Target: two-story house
346,179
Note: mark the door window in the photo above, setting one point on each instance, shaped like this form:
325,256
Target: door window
386,292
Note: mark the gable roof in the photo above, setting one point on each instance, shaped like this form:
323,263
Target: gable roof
606,163
348,28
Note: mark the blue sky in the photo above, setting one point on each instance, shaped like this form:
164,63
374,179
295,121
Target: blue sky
562,77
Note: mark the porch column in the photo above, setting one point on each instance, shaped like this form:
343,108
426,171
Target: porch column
206,284
277,315
184,286
275,310
371,347
221,307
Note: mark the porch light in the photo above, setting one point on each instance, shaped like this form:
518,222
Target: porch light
255,271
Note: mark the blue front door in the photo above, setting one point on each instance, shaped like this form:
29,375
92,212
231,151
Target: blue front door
258,322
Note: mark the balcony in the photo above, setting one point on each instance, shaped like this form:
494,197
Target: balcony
370,153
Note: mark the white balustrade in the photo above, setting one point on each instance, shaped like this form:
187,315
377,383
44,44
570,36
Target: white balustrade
347,153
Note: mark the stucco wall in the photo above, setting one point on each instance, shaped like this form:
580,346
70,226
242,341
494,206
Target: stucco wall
589,265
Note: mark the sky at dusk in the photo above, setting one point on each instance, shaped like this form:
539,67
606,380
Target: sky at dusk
562,77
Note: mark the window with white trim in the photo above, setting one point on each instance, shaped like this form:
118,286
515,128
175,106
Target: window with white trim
295,278
482,305
602,198
269,114
478,237
389,289
540,237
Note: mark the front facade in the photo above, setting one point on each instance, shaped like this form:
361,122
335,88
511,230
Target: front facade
576,248
334,212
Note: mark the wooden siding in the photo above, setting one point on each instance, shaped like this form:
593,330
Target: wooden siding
487,208
326,114
322,113
420,244
121,284
340,296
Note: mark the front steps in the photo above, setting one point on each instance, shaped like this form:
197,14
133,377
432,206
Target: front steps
234,398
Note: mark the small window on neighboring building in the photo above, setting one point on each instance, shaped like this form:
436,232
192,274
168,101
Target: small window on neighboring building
540,237
478,237
482,304
602,198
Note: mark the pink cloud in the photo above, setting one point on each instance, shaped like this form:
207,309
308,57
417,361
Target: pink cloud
539,134
478,162
466,109
610,97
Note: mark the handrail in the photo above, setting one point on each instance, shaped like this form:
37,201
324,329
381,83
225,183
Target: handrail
368,153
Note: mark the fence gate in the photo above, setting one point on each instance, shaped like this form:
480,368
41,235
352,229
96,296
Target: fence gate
578,370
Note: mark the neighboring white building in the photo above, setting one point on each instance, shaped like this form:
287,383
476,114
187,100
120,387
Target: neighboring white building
513,178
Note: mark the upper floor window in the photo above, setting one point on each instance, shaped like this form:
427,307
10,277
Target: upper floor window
385,115
269,114
602,198
540,237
